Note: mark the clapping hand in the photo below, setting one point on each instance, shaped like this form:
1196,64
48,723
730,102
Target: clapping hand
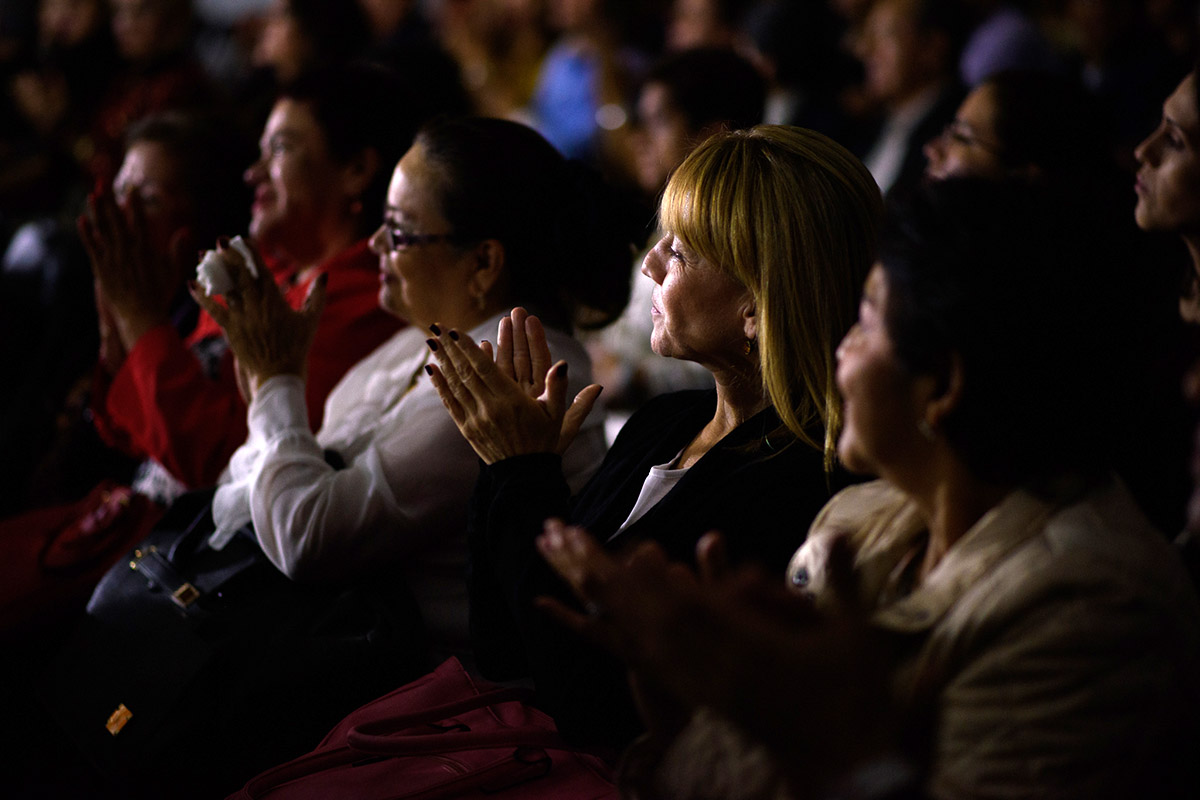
739,642
135,283
511,401
267,337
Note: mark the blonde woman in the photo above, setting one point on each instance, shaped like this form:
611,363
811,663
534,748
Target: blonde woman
768,233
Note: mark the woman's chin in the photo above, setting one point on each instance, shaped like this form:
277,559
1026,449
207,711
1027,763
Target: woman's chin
851,458
390,300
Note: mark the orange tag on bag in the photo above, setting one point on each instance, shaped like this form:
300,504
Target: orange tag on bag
117,720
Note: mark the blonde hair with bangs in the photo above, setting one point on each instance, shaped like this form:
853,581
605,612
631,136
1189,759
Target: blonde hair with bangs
793,217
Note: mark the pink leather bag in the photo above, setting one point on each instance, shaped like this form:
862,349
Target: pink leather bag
441,736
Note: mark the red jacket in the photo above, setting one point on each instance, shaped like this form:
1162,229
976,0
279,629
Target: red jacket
162,405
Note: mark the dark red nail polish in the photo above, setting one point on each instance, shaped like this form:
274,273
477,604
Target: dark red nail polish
428,370
454,336
436,330
432,344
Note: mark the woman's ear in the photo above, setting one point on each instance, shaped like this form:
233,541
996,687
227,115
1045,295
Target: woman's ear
750,317
489,267
358,172
945,394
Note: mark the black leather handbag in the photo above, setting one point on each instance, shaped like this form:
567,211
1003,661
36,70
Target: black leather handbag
196,668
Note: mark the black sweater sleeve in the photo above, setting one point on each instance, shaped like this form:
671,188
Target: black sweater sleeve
511,501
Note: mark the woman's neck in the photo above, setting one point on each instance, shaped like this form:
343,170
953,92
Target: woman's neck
737,401
952,503
1189,302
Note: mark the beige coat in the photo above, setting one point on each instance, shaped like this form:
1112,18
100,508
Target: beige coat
1057,649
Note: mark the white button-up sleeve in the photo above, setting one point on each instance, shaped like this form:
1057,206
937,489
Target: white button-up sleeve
405,488
408,476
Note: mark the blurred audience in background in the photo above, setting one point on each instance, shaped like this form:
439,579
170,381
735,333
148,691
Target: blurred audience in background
1054,94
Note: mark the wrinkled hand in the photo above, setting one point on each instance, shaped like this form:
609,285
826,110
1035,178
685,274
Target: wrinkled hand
137,282
266,335
513,405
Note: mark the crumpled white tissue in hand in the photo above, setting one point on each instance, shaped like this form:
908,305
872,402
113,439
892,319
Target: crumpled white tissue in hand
212,274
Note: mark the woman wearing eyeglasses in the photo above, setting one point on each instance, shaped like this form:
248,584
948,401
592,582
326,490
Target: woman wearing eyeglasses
1024,124
481,215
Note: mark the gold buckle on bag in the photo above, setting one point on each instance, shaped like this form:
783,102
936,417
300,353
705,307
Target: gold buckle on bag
185,595
118,719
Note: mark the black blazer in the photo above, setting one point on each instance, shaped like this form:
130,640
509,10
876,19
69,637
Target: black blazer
758,486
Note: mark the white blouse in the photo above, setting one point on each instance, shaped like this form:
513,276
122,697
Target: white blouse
400,501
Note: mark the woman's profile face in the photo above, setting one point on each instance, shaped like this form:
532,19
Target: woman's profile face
294,181
968,147
699,311
1168,178
424,280
880,412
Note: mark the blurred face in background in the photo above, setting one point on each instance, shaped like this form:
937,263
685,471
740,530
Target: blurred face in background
571,16
145,30
295,182
968,147
66,23
665,137
696,23
899,59
152,173
281,44
385,15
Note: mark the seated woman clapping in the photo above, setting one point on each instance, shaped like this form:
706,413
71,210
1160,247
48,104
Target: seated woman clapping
1038,636
767,232
480,214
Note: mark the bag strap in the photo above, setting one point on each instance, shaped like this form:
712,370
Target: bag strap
437,713
382,737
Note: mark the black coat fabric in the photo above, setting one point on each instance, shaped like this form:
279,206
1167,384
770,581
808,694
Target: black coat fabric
758,486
